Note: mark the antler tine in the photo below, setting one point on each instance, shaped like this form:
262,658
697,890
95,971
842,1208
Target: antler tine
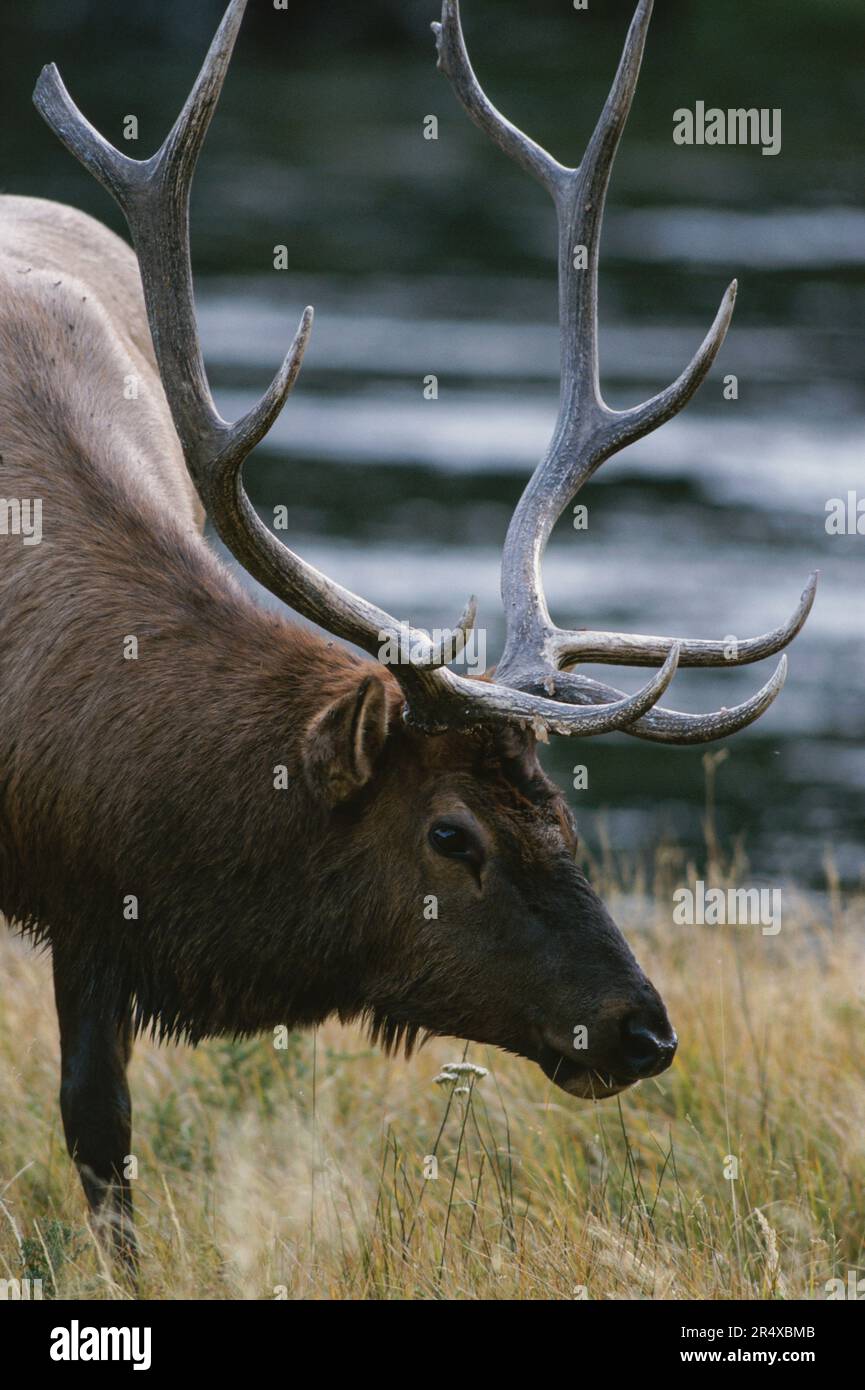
627,426
115,171
154,196
587,431
597,162
182,146
663,725
632,649
583,210
454,62
488,703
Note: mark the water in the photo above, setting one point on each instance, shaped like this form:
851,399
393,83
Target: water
438,257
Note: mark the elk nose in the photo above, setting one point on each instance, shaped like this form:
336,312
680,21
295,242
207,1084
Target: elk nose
648,1044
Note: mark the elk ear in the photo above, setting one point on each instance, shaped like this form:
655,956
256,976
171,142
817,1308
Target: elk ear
344,741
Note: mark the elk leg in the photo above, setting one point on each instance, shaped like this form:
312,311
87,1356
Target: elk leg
97,1111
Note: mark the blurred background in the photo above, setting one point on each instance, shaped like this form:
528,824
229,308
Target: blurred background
438,257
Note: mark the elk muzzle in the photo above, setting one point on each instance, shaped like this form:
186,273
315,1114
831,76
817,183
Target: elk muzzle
627,1044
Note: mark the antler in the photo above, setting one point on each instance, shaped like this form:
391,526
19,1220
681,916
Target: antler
154,197
588,432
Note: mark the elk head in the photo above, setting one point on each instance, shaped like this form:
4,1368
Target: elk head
462,871
432,776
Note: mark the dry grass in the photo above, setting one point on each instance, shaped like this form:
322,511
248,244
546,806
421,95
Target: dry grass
301,1172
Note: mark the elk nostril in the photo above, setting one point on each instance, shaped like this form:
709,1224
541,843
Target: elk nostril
647,1048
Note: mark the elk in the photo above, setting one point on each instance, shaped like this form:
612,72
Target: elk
150,781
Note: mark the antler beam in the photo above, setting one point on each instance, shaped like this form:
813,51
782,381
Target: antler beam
587,431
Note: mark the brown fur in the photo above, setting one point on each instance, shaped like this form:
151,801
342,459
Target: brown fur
155,777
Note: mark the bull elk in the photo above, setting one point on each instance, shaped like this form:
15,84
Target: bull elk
152,780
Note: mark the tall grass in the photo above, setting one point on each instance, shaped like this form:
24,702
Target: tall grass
327,1170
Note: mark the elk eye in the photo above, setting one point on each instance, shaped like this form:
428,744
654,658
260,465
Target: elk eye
454,842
